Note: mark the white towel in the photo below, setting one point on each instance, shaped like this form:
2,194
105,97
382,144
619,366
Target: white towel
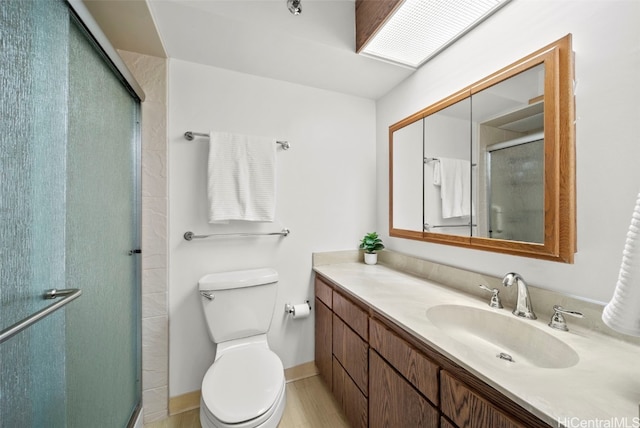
241,177
454,178
623,311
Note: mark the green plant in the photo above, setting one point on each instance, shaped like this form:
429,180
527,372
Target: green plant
371,243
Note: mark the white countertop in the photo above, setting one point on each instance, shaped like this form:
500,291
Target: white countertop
601,390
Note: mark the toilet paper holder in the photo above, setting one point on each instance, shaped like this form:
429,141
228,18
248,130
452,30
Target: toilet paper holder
289,308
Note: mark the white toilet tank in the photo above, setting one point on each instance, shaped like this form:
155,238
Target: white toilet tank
238,304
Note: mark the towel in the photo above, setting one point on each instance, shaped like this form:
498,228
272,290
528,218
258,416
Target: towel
241,177
622,313
454,178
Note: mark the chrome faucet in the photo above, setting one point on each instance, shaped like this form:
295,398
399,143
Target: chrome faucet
523,308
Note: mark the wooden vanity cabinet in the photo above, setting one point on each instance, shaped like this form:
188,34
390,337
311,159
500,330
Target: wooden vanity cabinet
342,330
420,371
352,352
323,331
353,402
393,401
468,409
404,382
382,376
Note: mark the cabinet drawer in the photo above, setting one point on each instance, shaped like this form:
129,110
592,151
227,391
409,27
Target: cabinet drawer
352,352
421,372
355,317
467,409
394,402
354,404
323,292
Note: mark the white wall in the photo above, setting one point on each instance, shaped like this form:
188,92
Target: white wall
325,195
606,41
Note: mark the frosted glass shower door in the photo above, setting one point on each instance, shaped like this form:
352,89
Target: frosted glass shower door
69,207
516,192
103,356
33,90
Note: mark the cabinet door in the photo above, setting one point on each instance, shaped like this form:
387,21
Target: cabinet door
393,402
467,409
351,400
421,372
352,352
323,342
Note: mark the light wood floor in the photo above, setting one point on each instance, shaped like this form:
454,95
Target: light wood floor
309,405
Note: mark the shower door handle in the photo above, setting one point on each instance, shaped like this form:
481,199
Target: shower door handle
54,293
136,251
67,294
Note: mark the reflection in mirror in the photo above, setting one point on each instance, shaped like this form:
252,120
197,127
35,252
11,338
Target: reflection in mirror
515,190
447,169
508,141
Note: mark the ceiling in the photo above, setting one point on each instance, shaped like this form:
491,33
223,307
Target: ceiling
259,37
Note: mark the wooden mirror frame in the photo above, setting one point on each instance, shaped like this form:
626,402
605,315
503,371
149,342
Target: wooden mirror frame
559,147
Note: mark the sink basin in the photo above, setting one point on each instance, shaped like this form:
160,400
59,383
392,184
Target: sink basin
502,336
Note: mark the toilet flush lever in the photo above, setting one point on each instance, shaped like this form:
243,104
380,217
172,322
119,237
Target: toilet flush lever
207,294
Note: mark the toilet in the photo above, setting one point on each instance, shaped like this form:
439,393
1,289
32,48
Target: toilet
245,386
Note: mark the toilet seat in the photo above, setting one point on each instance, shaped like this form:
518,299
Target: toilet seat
244,387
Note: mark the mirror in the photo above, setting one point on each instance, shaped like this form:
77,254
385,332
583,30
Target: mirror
447,169
508,137
492,166
407,176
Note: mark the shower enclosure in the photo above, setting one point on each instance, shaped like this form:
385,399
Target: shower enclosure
515,171
69,201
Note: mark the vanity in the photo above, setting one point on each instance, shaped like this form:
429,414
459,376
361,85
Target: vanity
402,350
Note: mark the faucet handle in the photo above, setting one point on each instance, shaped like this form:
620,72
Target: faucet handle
495,298
558,321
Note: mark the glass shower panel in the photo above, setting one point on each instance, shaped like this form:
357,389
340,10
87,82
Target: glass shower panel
33,72
68,207
517,192
103,361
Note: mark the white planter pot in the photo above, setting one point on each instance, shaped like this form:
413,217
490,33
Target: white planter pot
371,259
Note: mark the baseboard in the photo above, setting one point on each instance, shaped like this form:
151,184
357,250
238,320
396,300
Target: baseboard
191,400
301,371
183,403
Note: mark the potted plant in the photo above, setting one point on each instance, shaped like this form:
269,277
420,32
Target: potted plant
371,243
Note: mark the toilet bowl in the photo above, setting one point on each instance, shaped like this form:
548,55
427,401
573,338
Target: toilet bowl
244,388
245,385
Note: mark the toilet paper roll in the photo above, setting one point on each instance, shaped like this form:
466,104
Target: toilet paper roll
301,311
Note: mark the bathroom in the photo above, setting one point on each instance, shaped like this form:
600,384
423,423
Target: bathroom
333,181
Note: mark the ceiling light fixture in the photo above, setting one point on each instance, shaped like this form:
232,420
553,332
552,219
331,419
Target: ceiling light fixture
420,29
294,7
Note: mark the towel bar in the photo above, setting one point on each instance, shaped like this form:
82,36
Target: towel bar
428,226
427,160
190,235
189,136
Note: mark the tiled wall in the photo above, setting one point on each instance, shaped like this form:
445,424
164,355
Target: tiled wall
151,74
